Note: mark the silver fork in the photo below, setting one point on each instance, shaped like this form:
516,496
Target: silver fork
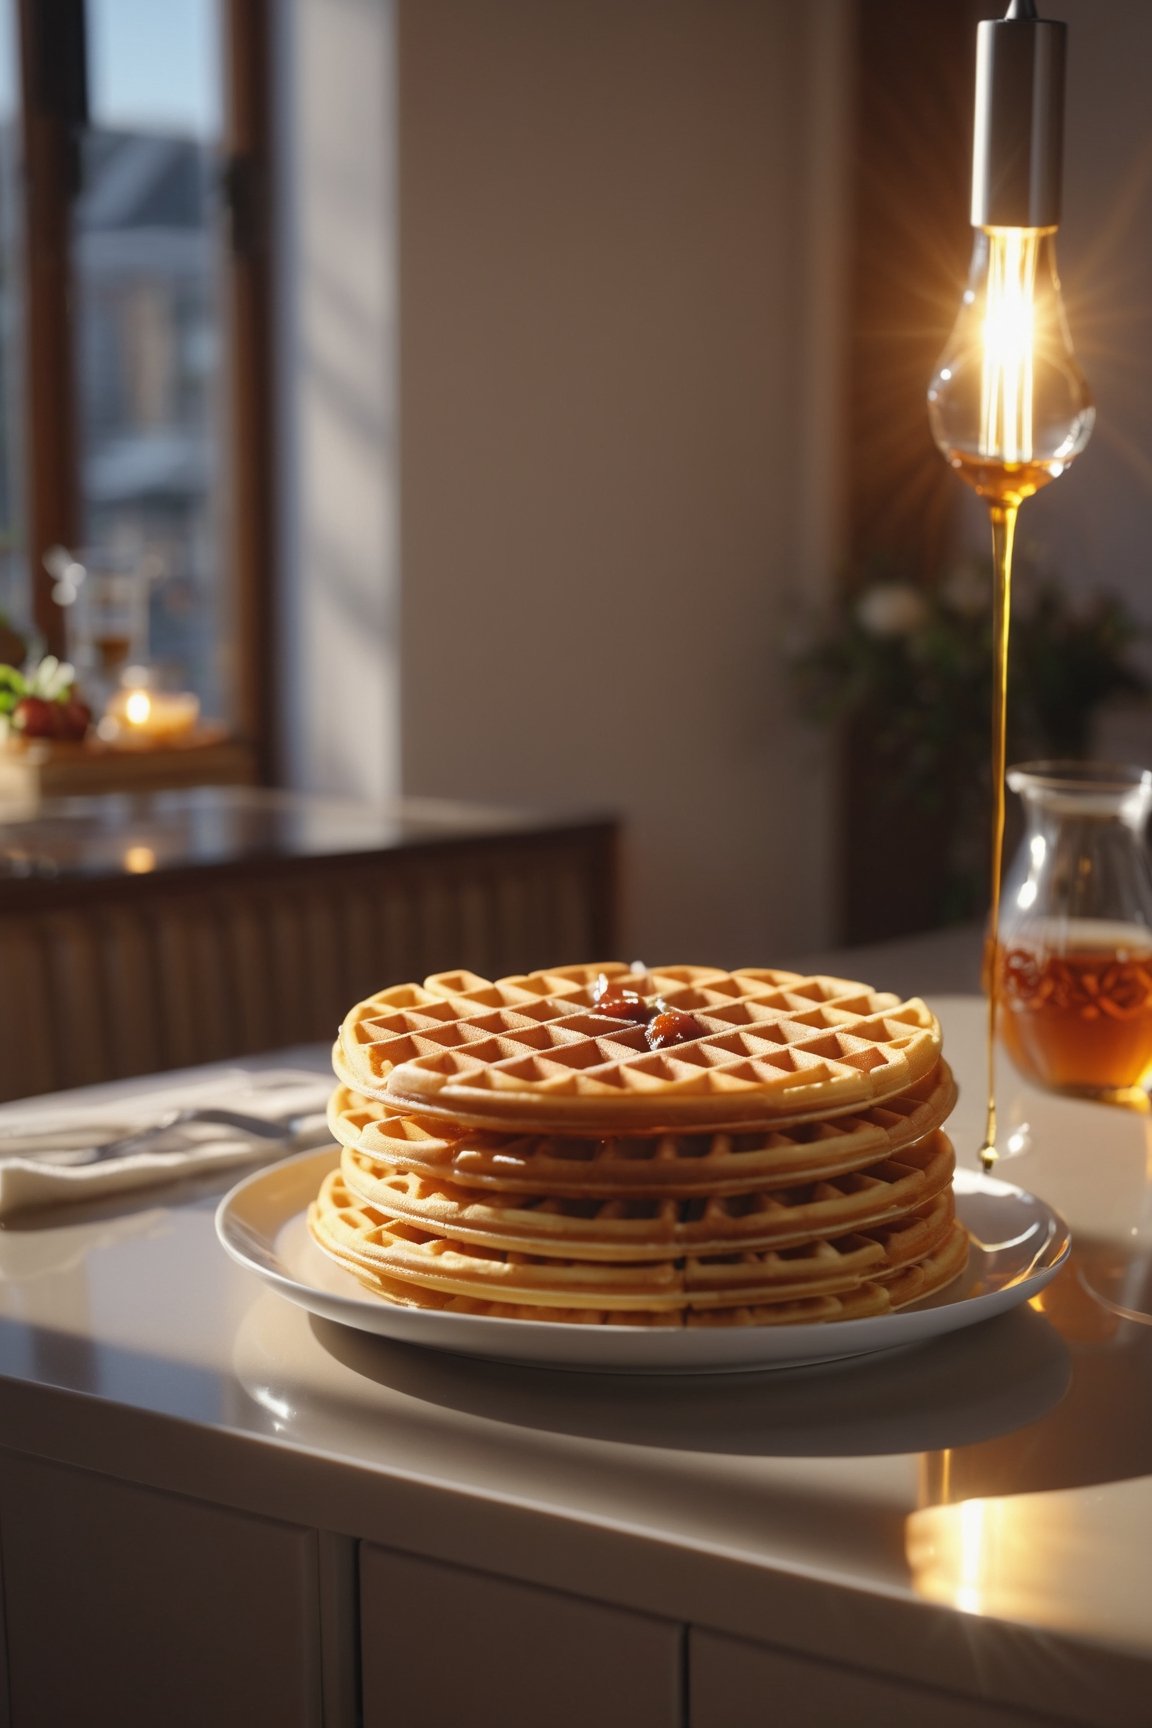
46,1145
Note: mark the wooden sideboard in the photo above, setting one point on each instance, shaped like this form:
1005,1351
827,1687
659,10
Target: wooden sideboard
142,933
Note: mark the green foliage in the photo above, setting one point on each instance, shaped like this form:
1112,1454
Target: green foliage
49,678
915,663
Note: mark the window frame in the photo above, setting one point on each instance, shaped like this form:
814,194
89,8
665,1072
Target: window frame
50,38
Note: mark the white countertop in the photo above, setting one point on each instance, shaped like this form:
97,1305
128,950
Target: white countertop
976,1503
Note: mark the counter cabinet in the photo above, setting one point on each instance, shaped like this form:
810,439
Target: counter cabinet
219,1509
127,1606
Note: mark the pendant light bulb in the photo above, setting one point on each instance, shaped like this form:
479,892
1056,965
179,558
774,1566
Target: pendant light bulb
1008,404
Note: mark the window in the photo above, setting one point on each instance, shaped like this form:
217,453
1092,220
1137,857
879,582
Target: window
133,324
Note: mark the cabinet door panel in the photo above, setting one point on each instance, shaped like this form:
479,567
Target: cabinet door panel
739,1685
132,1607
442,1645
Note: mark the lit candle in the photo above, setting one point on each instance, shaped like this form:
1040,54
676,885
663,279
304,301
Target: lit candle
141,716
139,860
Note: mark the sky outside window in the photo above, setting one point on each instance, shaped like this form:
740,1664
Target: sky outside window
153,66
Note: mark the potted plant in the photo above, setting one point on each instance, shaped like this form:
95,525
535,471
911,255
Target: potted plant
907,664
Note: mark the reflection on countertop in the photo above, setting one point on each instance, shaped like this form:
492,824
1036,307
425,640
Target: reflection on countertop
195,827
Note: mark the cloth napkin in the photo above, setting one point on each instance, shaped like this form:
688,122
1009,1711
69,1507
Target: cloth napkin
281,1095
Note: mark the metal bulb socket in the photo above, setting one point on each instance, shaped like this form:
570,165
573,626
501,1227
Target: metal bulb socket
1018,142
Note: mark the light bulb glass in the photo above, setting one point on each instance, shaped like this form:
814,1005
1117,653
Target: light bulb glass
1008,405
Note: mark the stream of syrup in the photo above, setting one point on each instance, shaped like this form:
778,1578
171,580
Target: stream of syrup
1005,486
1003,517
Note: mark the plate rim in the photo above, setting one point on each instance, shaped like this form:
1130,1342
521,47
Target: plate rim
553,1344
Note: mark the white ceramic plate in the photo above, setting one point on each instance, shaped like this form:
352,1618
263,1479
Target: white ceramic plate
1018,1244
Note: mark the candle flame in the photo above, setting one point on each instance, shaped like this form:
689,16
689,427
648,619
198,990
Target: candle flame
138,707
139,860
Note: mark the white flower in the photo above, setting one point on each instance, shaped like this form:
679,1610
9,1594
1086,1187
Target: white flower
891,609
51,678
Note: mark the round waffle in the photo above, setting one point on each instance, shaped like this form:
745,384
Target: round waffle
535,1052
367,1240
847,1277
862,1303
714,1164
653,1226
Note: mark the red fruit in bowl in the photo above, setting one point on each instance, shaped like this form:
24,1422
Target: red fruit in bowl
33,717
39,717
73,719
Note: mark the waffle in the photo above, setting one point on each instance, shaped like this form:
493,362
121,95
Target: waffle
682,1165
529,1148
652,1226
367,1240
534,1052
863,1303
845,1277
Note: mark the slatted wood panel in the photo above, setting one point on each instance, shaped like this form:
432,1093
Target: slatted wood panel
141,975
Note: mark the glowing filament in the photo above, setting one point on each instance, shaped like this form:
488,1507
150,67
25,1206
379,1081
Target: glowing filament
1009,337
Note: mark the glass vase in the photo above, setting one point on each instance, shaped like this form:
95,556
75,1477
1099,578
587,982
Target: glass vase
1074,948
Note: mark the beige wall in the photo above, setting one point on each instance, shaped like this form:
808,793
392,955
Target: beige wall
557,569
619,339
337,557
1103,523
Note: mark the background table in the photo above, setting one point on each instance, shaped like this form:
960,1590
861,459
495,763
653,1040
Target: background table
141,933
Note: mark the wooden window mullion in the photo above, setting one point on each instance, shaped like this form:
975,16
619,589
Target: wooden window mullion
251,547
50,169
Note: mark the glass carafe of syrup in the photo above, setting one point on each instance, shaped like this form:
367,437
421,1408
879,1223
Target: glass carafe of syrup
1074,954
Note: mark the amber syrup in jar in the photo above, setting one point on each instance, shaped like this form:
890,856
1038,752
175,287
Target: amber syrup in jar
1079,1018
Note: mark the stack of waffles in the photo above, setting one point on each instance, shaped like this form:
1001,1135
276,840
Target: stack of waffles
679,1146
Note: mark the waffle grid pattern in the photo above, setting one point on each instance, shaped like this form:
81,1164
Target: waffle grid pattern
626,1227
719,1163
534,1051
859,1272
369,1239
